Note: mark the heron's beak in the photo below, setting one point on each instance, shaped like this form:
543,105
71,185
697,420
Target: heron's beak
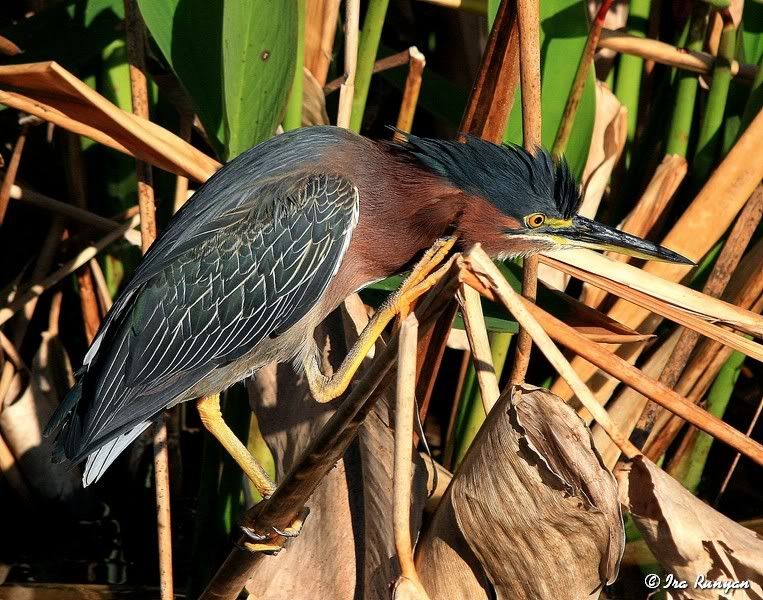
586,233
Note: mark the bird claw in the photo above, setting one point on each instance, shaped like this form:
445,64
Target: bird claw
421,278
268,542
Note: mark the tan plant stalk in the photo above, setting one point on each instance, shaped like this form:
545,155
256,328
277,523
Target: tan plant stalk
649,49
416,64
351,35
383,64
737,456
578,84
471,308
635,378
697,311
85,217
405,406
528,16
136,42
700,226
36,289
492,95
287,503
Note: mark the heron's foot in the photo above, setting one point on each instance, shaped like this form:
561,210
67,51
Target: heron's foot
423,277
428,263
421,280
272,539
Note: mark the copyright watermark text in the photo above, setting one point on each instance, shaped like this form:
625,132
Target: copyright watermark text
669,582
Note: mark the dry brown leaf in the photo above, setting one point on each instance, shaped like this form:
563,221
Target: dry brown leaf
22,420
688,537
531,468
313,102
50,92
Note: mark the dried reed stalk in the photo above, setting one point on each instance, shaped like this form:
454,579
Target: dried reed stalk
416,64
474,322
635,378
727,262
492,95
351,36
578,84
70,211
319,40
649,49
697,311
136,42
383,64
37,288
528,17
408,584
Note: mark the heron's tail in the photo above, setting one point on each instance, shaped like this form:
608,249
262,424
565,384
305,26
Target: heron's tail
101,459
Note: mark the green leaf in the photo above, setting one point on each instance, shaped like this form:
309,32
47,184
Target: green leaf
235,59
751,49
563,34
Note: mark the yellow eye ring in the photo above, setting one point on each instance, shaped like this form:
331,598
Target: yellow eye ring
535,220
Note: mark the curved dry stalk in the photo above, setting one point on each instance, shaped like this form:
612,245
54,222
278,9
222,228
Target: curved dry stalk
10,173
492,96
635,378
528,16
670,300
699,227
724,267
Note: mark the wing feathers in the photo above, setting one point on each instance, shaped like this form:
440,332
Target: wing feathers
240,279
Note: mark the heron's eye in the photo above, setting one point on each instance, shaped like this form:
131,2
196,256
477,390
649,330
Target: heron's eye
535,220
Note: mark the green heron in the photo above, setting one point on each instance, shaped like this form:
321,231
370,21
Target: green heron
276,240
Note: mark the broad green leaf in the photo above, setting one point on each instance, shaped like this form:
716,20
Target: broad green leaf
563,33
235,59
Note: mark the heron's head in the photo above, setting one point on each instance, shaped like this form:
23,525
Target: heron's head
530,201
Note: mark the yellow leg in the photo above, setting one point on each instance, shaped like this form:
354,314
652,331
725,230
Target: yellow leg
212,418
418,282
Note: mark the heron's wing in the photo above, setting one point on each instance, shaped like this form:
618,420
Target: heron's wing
253,274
